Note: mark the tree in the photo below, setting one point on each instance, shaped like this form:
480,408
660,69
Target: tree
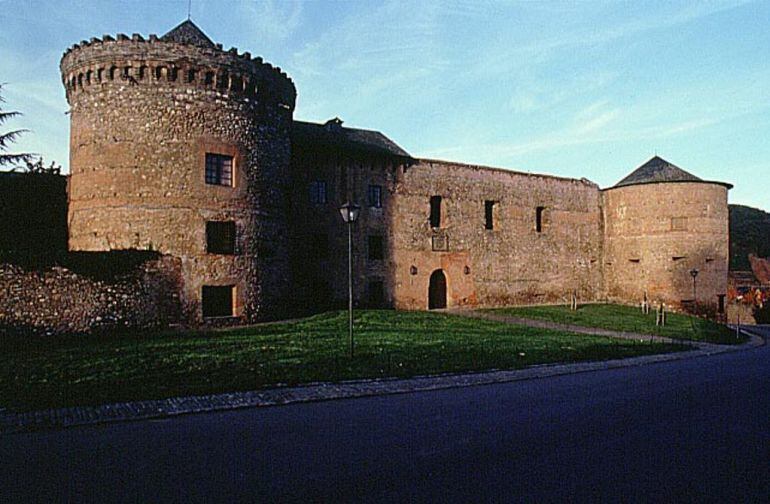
38,166
6,139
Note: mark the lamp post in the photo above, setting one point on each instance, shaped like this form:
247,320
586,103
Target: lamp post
350,213
694,275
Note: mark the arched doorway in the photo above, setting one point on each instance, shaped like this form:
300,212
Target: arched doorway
437,290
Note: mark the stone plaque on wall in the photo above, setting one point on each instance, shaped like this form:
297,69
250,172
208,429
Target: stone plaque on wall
440,242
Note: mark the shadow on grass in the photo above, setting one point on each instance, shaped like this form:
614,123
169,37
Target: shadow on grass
55,372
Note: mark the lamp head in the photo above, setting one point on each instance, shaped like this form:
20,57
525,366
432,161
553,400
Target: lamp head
350,212
694,272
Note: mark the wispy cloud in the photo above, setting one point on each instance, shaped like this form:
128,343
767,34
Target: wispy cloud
271,19
589,126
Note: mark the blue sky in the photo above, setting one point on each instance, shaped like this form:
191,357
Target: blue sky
578,89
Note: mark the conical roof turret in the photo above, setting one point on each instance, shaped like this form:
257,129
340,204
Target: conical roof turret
188,32
657,169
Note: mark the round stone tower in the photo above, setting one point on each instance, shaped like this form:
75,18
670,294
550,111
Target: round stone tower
661,224
181,147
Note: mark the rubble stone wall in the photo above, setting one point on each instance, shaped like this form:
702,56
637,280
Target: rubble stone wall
56,300
655,234
144,113
513,263
322,275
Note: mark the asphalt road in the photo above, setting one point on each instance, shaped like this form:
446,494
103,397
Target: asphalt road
694,430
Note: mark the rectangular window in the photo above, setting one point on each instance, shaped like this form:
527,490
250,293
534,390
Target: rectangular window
539,219
217,301
319,246
376,248
376,293
219,169
678,223
318,194
375,196
489,218
435,211
220,237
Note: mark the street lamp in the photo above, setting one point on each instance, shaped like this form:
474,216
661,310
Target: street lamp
694,275
350,213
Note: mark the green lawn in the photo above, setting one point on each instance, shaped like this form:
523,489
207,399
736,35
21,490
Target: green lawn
630,319
54,372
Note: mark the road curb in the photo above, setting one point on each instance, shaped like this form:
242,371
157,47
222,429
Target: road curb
162,408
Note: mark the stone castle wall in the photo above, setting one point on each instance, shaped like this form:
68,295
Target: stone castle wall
512,263
57,300
655,234
320,239
144,114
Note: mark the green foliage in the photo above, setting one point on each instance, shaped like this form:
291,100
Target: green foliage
7,138
628,319
39,167
749,234
55,372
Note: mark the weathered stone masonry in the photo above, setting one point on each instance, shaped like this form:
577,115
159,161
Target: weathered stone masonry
176,144
144,115
56,299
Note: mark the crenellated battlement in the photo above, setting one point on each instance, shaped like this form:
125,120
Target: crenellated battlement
138,61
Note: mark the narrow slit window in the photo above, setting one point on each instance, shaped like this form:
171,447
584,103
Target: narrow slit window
489,214
435,211
343,182
539,219
320,246
219,169
376,293
376,248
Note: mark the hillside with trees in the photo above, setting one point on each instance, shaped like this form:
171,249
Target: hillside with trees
749,234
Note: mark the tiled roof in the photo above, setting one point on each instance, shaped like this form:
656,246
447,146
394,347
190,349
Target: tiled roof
657,169
333,135
188,33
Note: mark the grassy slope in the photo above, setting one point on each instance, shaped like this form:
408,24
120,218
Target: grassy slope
630,319
90,370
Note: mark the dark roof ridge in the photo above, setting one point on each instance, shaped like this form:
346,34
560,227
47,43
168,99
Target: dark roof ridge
345,137
321,125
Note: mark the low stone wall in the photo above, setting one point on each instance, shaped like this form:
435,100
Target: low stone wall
57,300
740,313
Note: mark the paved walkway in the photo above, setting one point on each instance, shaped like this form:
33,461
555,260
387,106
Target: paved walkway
75,416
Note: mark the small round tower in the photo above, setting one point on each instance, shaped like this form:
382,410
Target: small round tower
661,224
181,147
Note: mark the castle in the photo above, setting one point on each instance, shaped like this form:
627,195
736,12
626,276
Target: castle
181,147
